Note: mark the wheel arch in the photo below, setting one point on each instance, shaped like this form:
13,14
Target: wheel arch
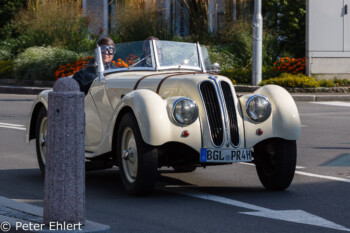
284,121
33,120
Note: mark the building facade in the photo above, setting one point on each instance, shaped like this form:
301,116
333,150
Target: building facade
328,38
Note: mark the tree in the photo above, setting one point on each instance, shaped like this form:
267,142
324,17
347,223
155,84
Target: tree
287,18
8,8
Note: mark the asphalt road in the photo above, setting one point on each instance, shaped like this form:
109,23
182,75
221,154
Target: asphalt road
226,198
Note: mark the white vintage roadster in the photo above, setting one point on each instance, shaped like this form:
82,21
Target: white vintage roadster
165,109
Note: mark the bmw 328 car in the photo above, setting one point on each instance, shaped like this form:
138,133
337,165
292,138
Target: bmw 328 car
168,109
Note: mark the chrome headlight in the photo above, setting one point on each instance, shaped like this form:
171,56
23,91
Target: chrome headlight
185,111
258,108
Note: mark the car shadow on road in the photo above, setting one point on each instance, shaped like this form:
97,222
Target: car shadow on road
106,184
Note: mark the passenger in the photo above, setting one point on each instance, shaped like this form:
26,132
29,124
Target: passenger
87,75
146,52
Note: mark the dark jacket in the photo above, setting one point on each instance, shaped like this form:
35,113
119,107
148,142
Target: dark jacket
87,75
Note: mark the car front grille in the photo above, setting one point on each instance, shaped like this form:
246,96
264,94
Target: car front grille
215,113
231,111
212,107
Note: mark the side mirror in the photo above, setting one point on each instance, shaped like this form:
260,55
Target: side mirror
100,66
215,68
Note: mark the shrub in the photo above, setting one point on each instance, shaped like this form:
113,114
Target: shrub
288,18
341,82
136,22
57,23
9,8
5,54
326,83
6,68
290,80
238,75
237,38
220,54
40,63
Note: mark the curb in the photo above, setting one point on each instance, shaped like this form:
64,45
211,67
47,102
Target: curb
320,97
22,90
18,217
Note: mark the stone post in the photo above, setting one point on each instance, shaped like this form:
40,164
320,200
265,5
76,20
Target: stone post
64,199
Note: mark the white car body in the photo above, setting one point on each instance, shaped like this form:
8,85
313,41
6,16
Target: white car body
150,95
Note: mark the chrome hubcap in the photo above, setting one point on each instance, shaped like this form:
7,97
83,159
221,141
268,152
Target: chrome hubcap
129,155
42,139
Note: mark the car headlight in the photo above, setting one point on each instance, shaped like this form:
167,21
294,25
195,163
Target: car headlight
258,108
185,111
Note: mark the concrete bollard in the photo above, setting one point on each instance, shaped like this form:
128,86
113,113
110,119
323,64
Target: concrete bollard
64,200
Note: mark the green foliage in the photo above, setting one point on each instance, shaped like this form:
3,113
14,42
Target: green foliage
220,54
300,80
326,83
51,23
16,45
290,80
8,8
341,82
198,13
238,75
136,23
5,53
287,18
6,69
40,63
238,41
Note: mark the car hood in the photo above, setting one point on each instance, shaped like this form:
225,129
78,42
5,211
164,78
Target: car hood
166,84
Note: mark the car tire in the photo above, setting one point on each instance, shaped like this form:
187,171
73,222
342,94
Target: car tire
41,135
138,161
184,168
275,161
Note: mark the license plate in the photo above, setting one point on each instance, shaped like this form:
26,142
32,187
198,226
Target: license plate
225,156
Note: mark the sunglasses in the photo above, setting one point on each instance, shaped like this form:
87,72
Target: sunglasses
109,49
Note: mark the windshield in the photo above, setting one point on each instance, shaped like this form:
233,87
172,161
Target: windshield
142,55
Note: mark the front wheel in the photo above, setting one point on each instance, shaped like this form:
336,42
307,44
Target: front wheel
275,161
138,161
41,137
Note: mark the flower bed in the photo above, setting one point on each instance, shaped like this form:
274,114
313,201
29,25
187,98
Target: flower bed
70,69
290,65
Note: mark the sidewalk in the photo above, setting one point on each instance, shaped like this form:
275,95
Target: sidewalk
21,217
240,90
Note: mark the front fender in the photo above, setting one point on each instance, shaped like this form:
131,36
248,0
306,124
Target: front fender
284,121
155,123
41,100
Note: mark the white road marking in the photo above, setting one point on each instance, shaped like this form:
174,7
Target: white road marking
323,177
313,175
11,126
252,164
296,216
333,103
304,126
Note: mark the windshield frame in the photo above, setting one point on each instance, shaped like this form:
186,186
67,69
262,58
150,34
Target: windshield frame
158,67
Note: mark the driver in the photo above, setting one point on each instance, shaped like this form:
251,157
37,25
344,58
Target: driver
86,76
